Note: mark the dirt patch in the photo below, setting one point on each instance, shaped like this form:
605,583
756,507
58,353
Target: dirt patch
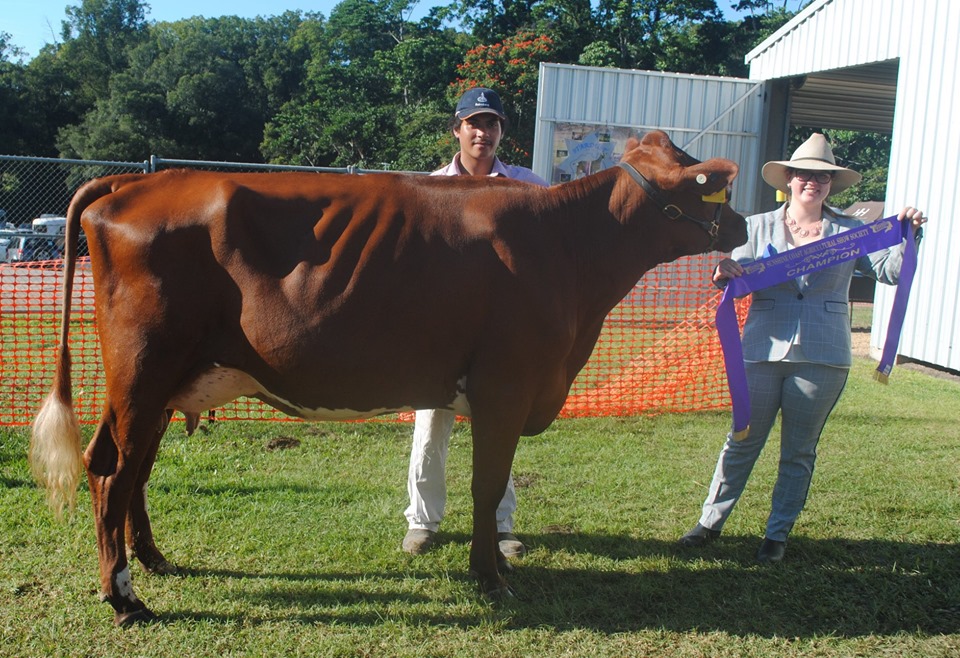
860,342
283,443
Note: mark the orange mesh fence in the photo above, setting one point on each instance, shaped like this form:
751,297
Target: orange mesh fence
658,351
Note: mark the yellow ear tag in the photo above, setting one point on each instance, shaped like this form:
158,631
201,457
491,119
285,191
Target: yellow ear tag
716,197
781,196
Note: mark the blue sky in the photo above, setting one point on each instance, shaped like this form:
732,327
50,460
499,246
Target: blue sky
33,23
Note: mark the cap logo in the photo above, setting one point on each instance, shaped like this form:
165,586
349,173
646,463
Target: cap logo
482,100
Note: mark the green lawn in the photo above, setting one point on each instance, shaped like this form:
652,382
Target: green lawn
294,550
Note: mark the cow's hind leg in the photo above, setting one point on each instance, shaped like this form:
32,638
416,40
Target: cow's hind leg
140,542
114,459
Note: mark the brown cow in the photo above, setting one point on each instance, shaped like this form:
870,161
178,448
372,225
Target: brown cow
344,297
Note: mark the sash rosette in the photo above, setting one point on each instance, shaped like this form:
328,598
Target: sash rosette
778,268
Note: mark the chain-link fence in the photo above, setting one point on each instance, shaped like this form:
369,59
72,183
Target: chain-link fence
37,187
34,195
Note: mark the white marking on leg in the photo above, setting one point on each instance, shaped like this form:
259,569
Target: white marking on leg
125,585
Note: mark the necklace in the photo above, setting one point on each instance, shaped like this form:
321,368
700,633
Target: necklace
802,232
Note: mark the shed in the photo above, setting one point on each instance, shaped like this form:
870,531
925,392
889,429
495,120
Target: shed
888,66
869,65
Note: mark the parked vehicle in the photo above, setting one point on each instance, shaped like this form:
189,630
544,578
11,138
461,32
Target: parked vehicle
50,224
4,248
25,248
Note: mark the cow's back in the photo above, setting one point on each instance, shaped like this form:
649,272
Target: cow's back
291,276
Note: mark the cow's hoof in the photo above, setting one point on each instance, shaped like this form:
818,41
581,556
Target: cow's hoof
127,619
152,561
497,591
504,566
500,595
162,567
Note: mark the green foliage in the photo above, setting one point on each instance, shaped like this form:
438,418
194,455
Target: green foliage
371,92
11,82
198,88
35,100
366,87
598,53
491,20
97,36
639,28
571,24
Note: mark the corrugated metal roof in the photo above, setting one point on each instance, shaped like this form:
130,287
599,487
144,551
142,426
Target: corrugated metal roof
855,98
834,34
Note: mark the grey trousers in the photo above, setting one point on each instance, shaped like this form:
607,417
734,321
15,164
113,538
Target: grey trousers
805,394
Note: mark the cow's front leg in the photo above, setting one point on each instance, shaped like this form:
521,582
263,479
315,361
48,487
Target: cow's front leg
493,452
111,484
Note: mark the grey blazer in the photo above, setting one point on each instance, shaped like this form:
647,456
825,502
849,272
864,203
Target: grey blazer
812,311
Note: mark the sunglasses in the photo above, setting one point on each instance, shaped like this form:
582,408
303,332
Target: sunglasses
821,177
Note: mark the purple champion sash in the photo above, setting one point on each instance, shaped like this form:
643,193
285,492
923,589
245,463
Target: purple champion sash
776,269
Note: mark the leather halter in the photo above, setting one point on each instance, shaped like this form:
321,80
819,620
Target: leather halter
672,211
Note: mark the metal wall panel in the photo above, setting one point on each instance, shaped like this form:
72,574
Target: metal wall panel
705,116
925,157
831,34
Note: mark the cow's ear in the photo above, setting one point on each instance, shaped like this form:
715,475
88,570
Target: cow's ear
712,176
632,143
658,138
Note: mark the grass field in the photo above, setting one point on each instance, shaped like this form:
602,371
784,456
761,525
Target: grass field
289,536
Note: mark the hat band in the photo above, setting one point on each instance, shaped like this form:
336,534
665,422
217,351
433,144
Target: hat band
824,161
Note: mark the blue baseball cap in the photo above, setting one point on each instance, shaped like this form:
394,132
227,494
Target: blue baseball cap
477,100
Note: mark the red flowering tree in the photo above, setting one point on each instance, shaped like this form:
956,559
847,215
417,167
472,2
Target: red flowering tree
510,68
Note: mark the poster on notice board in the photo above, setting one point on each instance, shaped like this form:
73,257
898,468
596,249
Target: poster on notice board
580,150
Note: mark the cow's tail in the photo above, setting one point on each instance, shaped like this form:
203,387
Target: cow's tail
55,454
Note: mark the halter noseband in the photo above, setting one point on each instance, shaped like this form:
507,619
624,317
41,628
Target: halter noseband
670,210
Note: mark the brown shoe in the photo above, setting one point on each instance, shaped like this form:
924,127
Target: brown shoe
510,546
418,541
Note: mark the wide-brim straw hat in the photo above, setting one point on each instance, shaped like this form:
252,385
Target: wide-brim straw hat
814,154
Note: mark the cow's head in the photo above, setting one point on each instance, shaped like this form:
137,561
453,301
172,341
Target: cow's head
686,191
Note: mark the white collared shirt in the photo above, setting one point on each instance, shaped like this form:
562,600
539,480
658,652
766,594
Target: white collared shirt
499,169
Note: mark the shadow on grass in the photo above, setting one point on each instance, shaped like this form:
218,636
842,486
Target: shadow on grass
361,599
824,587
834,587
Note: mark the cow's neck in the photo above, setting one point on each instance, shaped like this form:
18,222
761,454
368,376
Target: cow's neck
611,255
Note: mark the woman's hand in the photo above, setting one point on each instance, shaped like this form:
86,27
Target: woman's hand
728,269
915,216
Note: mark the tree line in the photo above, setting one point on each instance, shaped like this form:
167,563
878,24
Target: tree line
365,86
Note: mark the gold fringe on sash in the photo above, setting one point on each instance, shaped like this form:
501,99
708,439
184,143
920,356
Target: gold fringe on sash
882,377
